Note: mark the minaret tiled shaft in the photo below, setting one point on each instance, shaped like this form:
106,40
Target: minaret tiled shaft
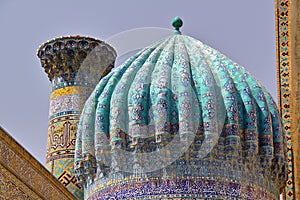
74,65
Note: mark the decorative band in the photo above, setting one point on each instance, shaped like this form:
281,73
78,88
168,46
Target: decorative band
67,112
71,83
69,90
180,189
59,155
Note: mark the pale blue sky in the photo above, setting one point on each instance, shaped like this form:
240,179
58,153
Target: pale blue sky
242,30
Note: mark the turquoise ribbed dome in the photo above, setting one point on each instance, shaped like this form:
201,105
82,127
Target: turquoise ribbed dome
180,86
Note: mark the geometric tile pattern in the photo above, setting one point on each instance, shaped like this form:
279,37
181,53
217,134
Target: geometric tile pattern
61,136
64,168
12,188
74,65
23,177
199,189
65,105
179,86
283,24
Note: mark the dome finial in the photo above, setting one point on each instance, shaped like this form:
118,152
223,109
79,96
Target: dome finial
177,23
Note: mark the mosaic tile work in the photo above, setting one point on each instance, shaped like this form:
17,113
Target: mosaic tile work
175,88
64,103
62,167
68,99
283,22
61,136
12,188
74,65
181,189
76,60
69,90
23,177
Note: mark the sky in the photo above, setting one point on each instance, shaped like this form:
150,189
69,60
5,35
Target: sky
242,30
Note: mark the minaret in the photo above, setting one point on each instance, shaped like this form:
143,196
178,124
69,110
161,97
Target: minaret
74,65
